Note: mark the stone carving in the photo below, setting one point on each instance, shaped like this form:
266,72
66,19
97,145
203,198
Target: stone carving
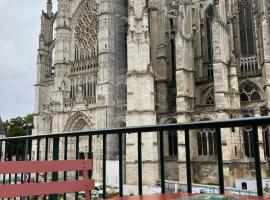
138,25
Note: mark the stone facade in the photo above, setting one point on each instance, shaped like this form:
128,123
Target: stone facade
115,63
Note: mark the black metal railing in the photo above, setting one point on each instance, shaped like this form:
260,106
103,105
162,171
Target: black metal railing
11,148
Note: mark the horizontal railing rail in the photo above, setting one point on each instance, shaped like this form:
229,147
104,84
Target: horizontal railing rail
11,147
250,121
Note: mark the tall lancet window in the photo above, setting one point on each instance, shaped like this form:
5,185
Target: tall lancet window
209,14
248,62
246,24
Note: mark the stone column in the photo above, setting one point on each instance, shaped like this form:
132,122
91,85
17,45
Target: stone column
233,77
62,49
221,57
158,57
185,85
140,95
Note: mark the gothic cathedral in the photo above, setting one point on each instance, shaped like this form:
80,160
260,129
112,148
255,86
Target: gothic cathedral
116,63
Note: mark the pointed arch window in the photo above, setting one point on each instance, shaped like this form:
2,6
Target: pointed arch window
206,141
171,138
173,147
249,92
248,141
246,25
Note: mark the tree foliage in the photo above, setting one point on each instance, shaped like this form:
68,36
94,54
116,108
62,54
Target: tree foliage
20,126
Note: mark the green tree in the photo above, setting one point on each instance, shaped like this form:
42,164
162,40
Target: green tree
20,126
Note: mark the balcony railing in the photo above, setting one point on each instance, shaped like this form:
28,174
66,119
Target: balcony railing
21,148
249,66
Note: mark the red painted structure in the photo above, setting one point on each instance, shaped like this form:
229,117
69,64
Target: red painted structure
176,196
46,188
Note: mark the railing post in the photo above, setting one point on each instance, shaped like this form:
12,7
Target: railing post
55,157
1,154
38,149
120,150
90,156
10,152
104,165
46,157
257,161
162,168
65,158
77,158
5,159
140,163
188,163
18,146
220,161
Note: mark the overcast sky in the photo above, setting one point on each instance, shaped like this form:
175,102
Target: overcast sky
19,30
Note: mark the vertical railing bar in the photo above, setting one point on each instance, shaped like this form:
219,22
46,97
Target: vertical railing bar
55,157
104,164
220,161
1,153
120,150
77,158
30,149
257,161
10,151
23,158
162,167
65,158
46,158
188,163
10,158
90,156
5,159
29,153
17,158
38,149
140,163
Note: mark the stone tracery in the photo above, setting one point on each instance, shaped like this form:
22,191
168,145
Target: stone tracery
86,28
83,73
78,120
249,92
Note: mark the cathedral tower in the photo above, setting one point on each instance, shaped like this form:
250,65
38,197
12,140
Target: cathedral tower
116,63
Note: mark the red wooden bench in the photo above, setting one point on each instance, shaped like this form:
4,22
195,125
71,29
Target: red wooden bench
46,188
